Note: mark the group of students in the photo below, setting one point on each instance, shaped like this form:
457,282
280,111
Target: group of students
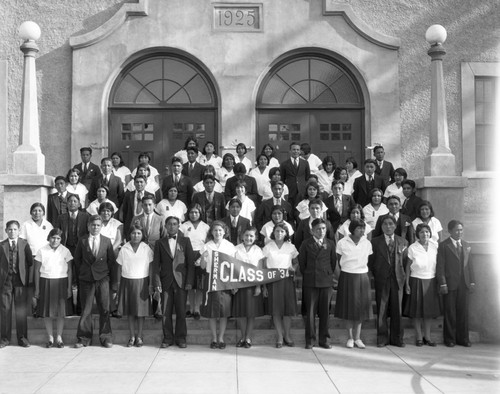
141,249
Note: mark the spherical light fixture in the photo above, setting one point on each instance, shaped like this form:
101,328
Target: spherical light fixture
29,31
435,35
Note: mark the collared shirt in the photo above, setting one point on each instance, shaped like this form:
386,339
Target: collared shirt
54,261
456,242
388,238
367,177
354,258
423,262
73,215
276,201
35,235
172,243
320,242
380,163
94,242
210,196
135,265
63,194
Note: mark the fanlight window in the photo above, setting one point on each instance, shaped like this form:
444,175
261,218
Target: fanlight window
163,81
310,81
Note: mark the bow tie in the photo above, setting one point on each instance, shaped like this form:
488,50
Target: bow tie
172,236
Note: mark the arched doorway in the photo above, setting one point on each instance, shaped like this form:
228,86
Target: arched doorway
156,103
311,97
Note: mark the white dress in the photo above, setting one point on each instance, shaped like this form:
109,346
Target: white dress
165,209
110,230
35,235
435,226
215,161
349,185
393,190
246,161
267,230
198,235
122,172
261,179
344,229
273,162
372,215
80,190
223,175
314,163
325,181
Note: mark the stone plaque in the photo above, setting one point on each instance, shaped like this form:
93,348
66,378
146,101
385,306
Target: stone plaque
237,17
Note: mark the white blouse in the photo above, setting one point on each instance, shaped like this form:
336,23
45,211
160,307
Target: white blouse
80,190
246,161
344,229
215,161
273,162
435,226
325,181
224,247
372,215
267,230
135,265
261,179
93,207
423,262
111,229
253,256
54,261
153,172
394,190
303,208
178,209
349,185
198,235
223,175
280,257
122,172
354,258
35,235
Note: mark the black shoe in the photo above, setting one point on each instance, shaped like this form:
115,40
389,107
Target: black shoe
23,342
222,345
214,345
279,345
116,315
399,344
325,345
428,342
248,344
196,316
182,345
107,343
139,342
189,314
240,343
419,343
60,344
165,344
382,344
465,344
450,344
4,342
288,343
49,344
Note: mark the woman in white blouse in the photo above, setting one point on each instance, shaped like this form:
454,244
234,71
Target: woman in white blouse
351,166
425,214
209,156
171,205
145,159
421,285
375,209
325,176
111,227
120,169
102,197
74,186
36,230
241,151
261,174
353,302
226,171
268,150
395,188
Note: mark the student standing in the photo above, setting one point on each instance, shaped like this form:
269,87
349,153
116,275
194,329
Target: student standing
295,172
365,183
88,170
57,203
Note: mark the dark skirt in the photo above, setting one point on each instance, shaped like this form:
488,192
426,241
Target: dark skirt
423,300
53,295
133,297
245,304
354,300
282,298
215,303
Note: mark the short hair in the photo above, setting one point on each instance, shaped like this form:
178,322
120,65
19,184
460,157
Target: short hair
391,218
283,226
144,154
402,172
454,223
174,218
410,182
119,155
378,147
425,203
137,226
268,146
353,161
241,183
188,140
204,146
317,221
193,148
60,178
143,166
148,196
239,168
275,208
73,170
103,187
313,177
11,222
176,159
208,177
226,156
105,159
86,149
233,201
94,218
273,172
194,206
253,229
242,145
264,156
337,182
338,171
328,159
393,197
54,231
355,224
422,226
221,224
71,195
274,183
209,168
293,143
373,191
359,208
137,177
313,184
37,205
172,186
370,161
315,201
105,206
306,148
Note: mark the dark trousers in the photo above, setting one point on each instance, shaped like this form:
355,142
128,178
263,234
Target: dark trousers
99,290
456,315
19,296
72,307
174,297
389,304
317,302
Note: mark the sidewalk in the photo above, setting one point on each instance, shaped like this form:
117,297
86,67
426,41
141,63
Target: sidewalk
261,369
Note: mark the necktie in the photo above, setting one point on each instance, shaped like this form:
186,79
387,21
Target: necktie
191,165
172,236
277,201
94,246
138,208
234,222
296,163
147,224
13,256
176,180
459,248
338,206
73,215
391,245
210,198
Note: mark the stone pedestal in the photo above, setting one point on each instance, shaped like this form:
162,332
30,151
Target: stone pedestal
20,191
446,193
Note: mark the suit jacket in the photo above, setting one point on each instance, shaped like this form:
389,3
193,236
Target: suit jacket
264,211
251,189
82,229
196,173
360,188
449,268
380,265
184,188
175,265
317,264
116,192
241,226
24,260
386,172
55,207
94,268
156,227
303,232
88,176
335,217
410,206
404,228
219,205
295,179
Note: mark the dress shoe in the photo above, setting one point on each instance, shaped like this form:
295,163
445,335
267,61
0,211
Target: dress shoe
350,343
116,315
107,343
279,345
325,345
23,342
381,344
248,344
165,344
131,342
49,344
428,342
196,316
288,343
60,344
400,344
214,345
308,346
359,344
465,344
419,343
450,344
222,345
3,343
240,343
189,314
139,342
182,345
79,344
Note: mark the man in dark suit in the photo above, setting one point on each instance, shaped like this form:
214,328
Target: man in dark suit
213,204
111,181
182,182
57,203
15,260
387,264
236,224
265,208
95,259
455,275
74,226
295,172
252,192
88,170
173,276
132,202
412,201
317,262
404,226
338,205
150,221
365,183
192,168
305,228
384,168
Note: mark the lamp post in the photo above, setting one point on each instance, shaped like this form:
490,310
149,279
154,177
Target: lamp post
28,157
439,160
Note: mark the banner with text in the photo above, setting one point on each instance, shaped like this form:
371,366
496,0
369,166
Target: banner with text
230,273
